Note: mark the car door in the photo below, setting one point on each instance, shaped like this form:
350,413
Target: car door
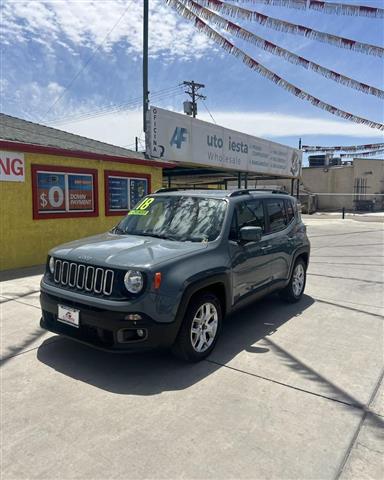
280,235
249,261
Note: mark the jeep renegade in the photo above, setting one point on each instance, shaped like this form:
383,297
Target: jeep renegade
173,267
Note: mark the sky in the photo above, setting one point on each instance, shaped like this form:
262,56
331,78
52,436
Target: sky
76,65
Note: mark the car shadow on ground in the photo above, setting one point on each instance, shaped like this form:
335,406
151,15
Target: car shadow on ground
154,372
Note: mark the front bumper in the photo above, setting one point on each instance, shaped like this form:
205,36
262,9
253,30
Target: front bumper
106,329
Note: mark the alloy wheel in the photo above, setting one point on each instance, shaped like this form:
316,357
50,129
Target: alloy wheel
298,279
204,327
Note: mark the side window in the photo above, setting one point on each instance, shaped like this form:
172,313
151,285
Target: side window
276,215
289,208
234,232
251,214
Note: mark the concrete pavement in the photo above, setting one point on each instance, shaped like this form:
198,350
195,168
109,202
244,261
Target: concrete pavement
291,391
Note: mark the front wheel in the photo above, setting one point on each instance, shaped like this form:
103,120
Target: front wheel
199,331
295,288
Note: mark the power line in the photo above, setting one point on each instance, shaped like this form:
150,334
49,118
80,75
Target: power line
84,66
210,114
107,109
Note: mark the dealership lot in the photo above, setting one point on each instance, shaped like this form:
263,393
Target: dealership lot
291,391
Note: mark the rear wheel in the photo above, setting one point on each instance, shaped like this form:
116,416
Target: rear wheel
295,288
200,328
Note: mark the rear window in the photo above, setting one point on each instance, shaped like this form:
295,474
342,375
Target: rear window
276,215
290,210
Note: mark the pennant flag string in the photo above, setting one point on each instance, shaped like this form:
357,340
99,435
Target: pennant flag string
343,148
293,28
335,8
343,9
270,47
258,67
363,154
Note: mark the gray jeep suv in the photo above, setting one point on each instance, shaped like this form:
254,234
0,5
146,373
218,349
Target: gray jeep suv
169,272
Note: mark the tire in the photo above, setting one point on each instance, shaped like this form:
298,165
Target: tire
200,328
293,292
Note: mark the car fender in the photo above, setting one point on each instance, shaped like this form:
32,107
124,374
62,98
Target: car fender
195,285
297,254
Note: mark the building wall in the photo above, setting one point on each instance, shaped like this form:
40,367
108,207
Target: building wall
330,180
25,241
373,172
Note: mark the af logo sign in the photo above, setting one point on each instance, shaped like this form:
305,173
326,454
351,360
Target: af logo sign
179,136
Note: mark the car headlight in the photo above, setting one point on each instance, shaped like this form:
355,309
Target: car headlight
51,265
133,281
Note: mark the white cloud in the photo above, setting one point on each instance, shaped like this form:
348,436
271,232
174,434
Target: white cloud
86,23
121,129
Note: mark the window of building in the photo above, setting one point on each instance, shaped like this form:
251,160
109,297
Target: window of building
123,191
276,215
64,192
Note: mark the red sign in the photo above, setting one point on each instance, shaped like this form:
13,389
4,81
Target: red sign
80,189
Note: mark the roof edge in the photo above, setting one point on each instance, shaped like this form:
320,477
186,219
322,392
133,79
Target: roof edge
34,148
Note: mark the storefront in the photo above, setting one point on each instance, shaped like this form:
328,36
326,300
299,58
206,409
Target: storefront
51,195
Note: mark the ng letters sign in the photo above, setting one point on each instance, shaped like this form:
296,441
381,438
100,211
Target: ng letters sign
12,167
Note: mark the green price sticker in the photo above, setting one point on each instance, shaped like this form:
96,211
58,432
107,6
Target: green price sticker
138,212
142,208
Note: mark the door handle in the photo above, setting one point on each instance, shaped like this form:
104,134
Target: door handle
267,247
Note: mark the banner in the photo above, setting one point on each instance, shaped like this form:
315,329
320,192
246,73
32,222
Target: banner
176,137
61,192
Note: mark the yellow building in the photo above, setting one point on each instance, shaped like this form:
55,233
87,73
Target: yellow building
56,187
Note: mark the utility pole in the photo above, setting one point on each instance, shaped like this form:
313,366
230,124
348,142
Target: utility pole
193,88
145,64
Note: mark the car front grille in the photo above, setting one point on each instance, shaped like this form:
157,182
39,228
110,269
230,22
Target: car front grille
85,278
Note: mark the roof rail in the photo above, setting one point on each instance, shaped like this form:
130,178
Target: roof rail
177,189
247,191
163,190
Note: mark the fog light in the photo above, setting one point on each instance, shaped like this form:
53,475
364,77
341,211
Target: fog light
140,333
133,317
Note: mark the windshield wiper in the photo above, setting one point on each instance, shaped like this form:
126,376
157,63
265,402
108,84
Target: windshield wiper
155,235
118,230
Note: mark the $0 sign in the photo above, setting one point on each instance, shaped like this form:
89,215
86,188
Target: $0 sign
55,198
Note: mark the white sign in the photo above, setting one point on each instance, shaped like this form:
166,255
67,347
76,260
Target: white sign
176,137
12,167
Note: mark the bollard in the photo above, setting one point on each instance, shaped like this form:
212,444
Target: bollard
343,213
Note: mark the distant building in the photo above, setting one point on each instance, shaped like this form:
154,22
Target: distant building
357,184
322,160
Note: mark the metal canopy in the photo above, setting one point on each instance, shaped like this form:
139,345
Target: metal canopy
195,177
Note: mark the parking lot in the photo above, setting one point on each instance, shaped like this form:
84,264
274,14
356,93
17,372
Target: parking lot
290,392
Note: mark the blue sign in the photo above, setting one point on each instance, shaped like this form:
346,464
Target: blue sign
118,193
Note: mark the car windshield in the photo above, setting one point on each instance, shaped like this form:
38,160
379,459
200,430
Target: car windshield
180,218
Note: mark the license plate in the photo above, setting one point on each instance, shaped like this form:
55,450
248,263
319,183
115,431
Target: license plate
68,315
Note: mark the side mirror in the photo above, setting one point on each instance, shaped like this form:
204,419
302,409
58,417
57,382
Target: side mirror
251,234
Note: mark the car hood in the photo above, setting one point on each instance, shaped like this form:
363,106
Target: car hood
125,250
